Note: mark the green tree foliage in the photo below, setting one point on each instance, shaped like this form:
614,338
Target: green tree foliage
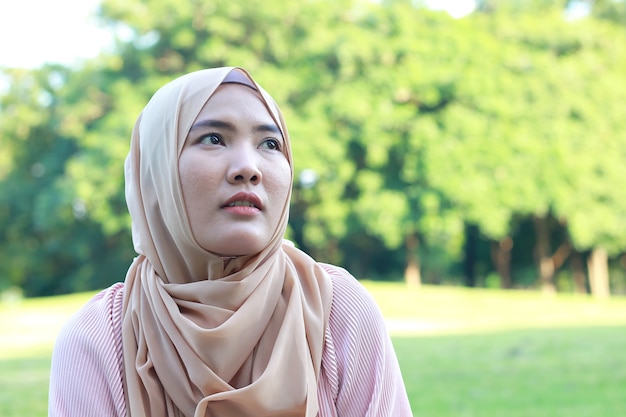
48,244
524,133
611,10
489,143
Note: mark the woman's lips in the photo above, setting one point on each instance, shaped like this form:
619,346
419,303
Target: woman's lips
243,203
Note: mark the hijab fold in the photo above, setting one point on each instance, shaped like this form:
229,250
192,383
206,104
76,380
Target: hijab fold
205,336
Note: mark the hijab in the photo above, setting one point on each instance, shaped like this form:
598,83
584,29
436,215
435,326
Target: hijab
203,335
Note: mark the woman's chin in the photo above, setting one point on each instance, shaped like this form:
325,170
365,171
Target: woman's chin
239,247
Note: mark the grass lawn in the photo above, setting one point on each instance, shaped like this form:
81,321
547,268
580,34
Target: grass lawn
463,352
574,372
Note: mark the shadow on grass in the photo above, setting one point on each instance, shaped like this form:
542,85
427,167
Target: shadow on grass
573,372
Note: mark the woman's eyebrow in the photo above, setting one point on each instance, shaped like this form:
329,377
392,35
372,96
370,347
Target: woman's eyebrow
220,124
268,128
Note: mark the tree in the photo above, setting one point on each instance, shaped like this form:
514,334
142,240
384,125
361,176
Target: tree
48,244
414,148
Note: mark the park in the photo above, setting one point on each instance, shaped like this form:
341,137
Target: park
467,170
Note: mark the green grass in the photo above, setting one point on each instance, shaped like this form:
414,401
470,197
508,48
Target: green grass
27,331
463,352
28,327
539,373
492,353
24,385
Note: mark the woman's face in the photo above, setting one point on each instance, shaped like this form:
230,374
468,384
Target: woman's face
234,175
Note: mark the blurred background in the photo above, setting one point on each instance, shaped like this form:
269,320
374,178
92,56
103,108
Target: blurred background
465,159
480,144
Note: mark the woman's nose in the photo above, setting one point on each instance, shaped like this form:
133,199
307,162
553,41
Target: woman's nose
244,167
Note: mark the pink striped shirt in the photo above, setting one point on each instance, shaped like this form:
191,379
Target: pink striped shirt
360,375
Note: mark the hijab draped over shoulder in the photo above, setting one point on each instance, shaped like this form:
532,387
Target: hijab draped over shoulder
205,336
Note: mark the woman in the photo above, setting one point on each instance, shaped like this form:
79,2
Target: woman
218,316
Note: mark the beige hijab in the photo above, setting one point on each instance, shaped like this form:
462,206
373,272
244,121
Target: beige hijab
205,336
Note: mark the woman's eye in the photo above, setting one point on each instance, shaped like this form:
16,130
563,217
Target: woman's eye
271,144
211,139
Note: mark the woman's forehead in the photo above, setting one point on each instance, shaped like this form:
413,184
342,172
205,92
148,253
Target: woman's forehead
233,101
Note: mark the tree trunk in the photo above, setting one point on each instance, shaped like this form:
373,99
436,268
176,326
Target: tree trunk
578,273
542,255
412,274
470,251
501,256
598,266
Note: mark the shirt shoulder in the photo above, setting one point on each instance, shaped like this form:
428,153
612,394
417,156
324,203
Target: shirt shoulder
359,362
352,303
86,372
99,321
